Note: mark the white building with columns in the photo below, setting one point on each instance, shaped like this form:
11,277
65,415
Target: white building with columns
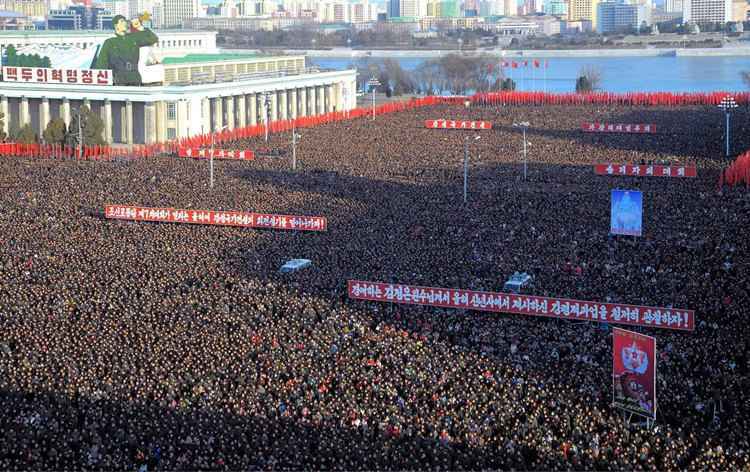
200,93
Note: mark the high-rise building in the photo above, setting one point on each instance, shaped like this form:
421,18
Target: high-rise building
618,16
707,11
510,8
740,10
394,8
583,10
177,11
672,6
556,7
31,8
79,17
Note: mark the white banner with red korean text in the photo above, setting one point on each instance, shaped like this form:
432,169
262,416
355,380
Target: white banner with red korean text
46,75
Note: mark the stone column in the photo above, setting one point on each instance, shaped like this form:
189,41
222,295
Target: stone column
182,125
161,121
4,111
23,113
230,112
321,99
293,101
87,103
253,109
149,122
65,112
218,113
303,101
107,121
241,111
44,115
282,105
273,107
329,98
127,122
205,115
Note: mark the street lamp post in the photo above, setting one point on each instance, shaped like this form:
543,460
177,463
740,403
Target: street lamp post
266,105
373,83
728,104
466,166
211,157
295,137
523,125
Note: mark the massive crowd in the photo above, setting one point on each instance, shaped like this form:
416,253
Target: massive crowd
161,346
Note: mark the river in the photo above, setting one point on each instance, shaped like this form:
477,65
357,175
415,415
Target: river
618,74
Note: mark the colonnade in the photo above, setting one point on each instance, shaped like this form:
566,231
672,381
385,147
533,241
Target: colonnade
128,122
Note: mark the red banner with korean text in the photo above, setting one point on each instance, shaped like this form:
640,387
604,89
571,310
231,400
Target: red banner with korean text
645,170
457,124
634,372
227,154
219,218
550,307
618,128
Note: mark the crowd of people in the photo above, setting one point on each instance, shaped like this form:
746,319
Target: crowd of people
127,345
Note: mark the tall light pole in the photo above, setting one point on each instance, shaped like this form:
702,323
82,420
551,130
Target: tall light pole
466,166
373,83
266,105
295,137
211,157
728,104
523,125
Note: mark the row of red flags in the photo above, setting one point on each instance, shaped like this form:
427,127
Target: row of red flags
493,98
737,172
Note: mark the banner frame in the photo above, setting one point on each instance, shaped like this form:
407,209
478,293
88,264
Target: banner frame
656,403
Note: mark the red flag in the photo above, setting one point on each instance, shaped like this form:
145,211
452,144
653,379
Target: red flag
526,63
515,65
536,63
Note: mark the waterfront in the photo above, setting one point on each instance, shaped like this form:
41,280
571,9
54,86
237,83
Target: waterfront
673,73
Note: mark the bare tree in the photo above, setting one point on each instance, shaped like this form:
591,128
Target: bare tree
592,78
746,77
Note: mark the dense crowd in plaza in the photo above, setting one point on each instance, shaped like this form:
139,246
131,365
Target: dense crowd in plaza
128,345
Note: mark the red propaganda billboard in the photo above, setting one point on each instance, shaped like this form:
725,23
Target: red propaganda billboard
645,170
227,154
219,218
618,128
457,124
634,372
549,307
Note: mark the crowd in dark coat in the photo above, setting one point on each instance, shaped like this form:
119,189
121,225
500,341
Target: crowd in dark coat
128,345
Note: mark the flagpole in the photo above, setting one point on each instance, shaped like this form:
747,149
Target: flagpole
533,75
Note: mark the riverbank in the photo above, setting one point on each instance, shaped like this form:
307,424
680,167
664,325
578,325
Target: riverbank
571,53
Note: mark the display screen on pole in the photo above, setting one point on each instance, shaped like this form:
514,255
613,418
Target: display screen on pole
634,372
626,216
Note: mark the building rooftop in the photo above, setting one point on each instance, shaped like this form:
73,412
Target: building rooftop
88,32
191,58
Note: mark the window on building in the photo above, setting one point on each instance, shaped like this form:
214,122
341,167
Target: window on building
171,111
171,133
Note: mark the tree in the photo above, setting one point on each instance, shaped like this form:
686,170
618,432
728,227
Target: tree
508,85
746,77
23,135
55,132
589,80
91,128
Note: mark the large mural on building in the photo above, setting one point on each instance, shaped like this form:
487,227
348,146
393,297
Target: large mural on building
129,57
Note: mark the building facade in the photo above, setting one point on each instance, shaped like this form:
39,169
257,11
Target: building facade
619,17
707,11
579,10
145,115
79,17
176,12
